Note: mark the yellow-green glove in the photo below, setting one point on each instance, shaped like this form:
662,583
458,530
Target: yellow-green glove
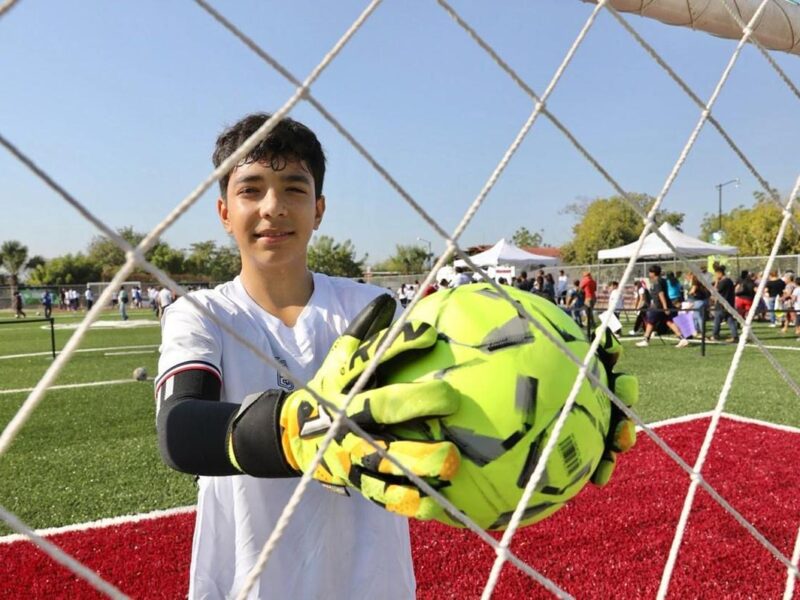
349,460
622,430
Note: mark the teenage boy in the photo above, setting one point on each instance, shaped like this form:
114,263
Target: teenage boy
226,415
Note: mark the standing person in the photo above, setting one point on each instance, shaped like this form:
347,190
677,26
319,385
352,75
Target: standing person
589,287
122,302
744,293
561,287
19,303
137,297
789,314
215,418
661,310
549,288
89,296
523,283
795,299
774,286
163,300
642,304
575,303
620,304
47,304
725,287
62,299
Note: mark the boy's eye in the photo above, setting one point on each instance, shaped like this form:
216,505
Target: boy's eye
296,190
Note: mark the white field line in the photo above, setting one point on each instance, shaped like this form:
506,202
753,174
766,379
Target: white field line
668,342
101,523
157,514
128,352
48,353
74,385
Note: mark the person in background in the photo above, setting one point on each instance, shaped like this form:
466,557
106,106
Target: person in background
725,287
18,305
589,288
47,304
461,278
561,287
698,295
165,298
122,302
774,286
674,290
524,283
642,302
575,302
620,304
549,288
89,297
661,311
744,293
789,314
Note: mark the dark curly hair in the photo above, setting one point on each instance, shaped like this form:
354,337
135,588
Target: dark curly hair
288,141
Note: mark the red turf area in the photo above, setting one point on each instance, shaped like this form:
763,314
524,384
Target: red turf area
608,543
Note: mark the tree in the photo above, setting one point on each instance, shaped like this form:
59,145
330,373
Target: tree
406,259
607,223
169,259
208,261
332,258
13,257
108,256
523,237
753,230
70,269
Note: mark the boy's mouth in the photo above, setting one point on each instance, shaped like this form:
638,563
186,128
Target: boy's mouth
273,235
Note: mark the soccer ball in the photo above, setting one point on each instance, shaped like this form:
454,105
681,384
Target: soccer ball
140,374
513,383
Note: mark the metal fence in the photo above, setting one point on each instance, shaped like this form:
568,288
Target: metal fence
603,273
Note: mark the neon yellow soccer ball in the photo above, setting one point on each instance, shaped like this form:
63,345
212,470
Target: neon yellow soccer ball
513,383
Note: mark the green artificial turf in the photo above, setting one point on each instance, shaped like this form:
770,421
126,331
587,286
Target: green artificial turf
91,452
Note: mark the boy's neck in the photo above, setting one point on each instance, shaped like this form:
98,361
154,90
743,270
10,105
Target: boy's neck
282,294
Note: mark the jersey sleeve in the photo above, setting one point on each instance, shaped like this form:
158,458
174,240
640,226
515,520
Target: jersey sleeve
189,340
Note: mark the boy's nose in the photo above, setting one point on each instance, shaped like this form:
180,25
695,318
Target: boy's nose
272,205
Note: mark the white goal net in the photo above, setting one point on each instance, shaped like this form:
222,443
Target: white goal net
758,27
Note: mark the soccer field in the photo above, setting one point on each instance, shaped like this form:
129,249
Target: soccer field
89,451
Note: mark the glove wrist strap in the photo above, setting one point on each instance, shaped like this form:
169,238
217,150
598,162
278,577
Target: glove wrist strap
254,437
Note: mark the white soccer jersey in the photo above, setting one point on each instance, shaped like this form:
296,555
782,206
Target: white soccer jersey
335,546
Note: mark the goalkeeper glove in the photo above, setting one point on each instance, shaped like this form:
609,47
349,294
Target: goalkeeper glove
621,435
296,422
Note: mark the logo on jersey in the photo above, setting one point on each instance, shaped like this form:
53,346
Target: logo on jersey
282,381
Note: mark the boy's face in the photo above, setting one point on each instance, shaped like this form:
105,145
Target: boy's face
271,214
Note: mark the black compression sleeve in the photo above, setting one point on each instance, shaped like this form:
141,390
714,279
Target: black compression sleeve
192,423
194,427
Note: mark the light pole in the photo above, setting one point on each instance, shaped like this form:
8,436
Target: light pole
430,252
719,187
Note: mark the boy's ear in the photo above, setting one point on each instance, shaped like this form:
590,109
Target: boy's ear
319,211
222,211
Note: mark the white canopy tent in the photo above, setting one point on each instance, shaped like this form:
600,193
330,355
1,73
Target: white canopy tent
507,254
654,246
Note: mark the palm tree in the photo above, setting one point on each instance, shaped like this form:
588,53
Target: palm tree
13,258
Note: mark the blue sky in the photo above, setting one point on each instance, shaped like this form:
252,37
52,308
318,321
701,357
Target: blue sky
121,102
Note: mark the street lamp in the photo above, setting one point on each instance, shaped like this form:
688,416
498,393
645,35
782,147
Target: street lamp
719,187
430,252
